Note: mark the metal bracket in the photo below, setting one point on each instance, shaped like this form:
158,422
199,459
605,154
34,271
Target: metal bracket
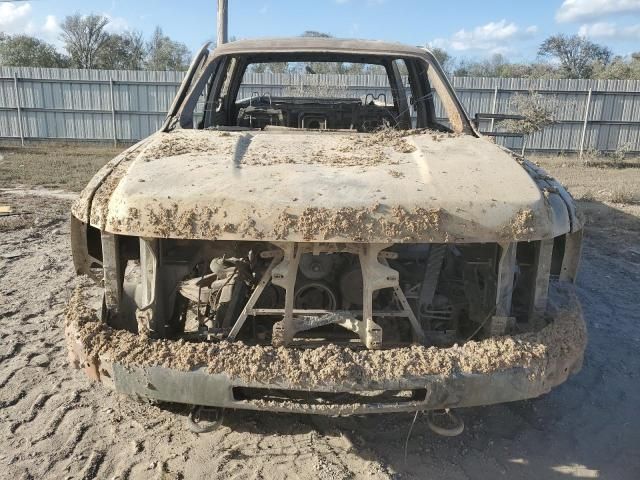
544,255
504,289
255,296
418,332
376,275
284,275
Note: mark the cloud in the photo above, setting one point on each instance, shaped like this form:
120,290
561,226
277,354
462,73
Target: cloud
19,19
14,18
51,25
610,30
116,24
580,10
493,37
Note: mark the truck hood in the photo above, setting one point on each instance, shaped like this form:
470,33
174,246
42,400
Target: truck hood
284,185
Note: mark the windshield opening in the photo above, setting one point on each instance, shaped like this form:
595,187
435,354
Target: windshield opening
316,92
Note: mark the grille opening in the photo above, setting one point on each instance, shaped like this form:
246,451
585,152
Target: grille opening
270,396
524,281
559,244
94,243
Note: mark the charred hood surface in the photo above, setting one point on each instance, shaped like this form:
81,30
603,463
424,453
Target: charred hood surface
284,185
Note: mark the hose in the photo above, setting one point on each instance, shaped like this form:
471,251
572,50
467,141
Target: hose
457,424
193,420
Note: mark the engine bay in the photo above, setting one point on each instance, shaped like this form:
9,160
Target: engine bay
377,296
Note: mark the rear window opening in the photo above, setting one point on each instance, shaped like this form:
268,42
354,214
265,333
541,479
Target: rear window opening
307,100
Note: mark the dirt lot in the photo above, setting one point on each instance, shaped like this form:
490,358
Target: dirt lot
54,424
64,166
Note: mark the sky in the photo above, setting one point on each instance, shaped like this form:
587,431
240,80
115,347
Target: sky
466,28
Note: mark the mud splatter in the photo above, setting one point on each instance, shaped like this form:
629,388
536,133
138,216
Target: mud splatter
355,224
564,337
360,224
521,226
330,157
176,222
80,207
100,203
356,150
184,142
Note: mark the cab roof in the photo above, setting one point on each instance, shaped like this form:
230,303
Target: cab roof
320,45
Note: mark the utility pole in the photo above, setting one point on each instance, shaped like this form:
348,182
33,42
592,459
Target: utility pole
223,21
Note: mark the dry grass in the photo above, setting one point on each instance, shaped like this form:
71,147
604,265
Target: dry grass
625,196
52,165
599,181
16,222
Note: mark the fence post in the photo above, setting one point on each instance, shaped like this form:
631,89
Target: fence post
113,114
584,124
18,107
223,21
494,107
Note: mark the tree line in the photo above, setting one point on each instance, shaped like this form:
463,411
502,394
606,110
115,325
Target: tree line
88,44
559,56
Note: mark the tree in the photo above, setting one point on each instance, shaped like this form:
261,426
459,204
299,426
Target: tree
315,34
83,37
331,67
618,69
577,55
166,54
495,66
537,112
26,51
272,67
122,52
444,59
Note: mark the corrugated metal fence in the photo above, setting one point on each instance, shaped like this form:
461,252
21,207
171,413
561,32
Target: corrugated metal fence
598,114
66,104
125,106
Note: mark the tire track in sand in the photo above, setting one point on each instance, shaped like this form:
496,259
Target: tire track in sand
14,350
12,401
38,403
69,447
58,417
93,465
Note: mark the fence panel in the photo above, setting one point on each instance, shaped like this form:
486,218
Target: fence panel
42,103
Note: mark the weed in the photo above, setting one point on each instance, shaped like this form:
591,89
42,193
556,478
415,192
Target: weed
623,195
587,196
621,153
590,156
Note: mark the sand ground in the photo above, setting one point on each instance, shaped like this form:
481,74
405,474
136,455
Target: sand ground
55,424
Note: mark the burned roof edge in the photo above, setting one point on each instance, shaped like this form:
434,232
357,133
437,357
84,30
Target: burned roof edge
313,44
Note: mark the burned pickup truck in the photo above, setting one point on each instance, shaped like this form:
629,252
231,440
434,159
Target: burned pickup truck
325,249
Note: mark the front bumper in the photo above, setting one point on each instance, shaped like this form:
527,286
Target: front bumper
560,346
